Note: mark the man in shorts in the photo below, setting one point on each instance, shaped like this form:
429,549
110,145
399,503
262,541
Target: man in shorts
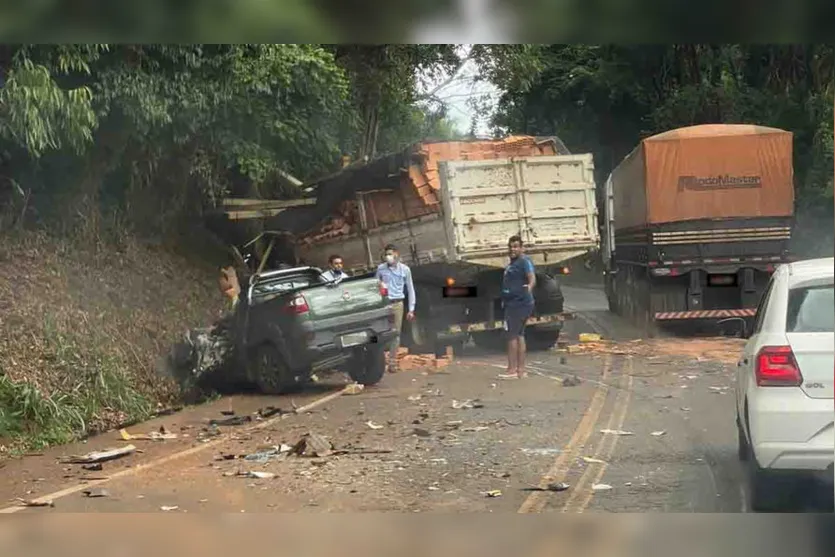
517,298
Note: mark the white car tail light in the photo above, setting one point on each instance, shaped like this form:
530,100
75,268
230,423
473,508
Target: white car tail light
777,367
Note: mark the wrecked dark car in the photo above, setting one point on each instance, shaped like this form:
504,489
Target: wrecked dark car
290,324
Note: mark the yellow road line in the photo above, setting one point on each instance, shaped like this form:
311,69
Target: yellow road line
175,456
582,484
613,441
536,501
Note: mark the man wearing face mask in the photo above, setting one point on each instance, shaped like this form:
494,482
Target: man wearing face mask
335,270
397,279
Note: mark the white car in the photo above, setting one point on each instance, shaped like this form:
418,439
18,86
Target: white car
785,382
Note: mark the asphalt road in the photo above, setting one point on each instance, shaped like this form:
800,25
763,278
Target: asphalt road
409,445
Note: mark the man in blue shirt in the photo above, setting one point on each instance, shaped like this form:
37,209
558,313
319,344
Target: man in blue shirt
397,279
517,298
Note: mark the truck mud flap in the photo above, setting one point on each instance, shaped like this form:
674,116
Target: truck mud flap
492,325
704,314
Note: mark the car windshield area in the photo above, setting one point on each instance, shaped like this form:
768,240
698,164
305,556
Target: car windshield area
811,309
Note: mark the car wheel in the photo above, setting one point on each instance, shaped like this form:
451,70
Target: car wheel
368,365
743,450
268,372
768,491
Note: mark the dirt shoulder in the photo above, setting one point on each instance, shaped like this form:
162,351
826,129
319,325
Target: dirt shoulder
81,330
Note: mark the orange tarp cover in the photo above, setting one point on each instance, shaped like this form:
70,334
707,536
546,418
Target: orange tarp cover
711,171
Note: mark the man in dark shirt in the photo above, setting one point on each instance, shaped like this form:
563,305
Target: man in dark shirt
517,297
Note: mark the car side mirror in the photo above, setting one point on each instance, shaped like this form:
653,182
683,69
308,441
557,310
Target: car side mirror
734,327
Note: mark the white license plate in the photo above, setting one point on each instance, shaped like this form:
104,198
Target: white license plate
353,339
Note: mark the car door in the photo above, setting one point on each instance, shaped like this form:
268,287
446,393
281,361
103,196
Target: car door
745,365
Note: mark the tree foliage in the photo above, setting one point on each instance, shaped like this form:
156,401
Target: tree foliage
604,99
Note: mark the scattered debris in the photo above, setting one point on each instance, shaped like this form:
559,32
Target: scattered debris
475,428
590,460
269,412
257,474
93,467
166,508
227,412
372,425
466,404
353,389
264,455
414,398
100,456
312,445
585,338
421,432
493,493
571,381
542,451
658,433
553,487
31,503
208,433
96,492
615,432
601,487
161,435
233,421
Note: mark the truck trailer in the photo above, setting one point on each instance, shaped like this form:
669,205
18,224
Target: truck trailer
450,208
696,219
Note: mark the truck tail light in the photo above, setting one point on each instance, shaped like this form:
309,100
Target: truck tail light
297,305
777,367
384,291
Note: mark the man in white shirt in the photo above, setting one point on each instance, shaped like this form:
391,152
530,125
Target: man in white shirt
335,270
397,277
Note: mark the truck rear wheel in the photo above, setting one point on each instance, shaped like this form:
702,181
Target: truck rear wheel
541,340
548,295
368,365
490,340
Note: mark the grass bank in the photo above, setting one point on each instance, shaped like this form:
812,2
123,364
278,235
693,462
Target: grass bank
81,331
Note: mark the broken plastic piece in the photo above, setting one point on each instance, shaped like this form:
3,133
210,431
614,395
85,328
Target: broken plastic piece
100,456
353,389
615,432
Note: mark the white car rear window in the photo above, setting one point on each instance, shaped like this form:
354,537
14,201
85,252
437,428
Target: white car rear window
811,309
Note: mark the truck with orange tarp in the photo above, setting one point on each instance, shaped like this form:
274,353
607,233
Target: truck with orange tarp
695,221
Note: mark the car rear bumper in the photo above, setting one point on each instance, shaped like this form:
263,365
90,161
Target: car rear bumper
790,431
332,348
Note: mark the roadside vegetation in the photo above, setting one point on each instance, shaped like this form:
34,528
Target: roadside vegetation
112,156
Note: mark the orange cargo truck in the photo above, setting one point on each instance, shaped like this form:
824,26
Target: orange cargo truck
695,220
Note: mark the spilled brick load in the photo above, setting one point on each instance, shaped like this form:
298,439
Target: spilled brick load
420,362
419,184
